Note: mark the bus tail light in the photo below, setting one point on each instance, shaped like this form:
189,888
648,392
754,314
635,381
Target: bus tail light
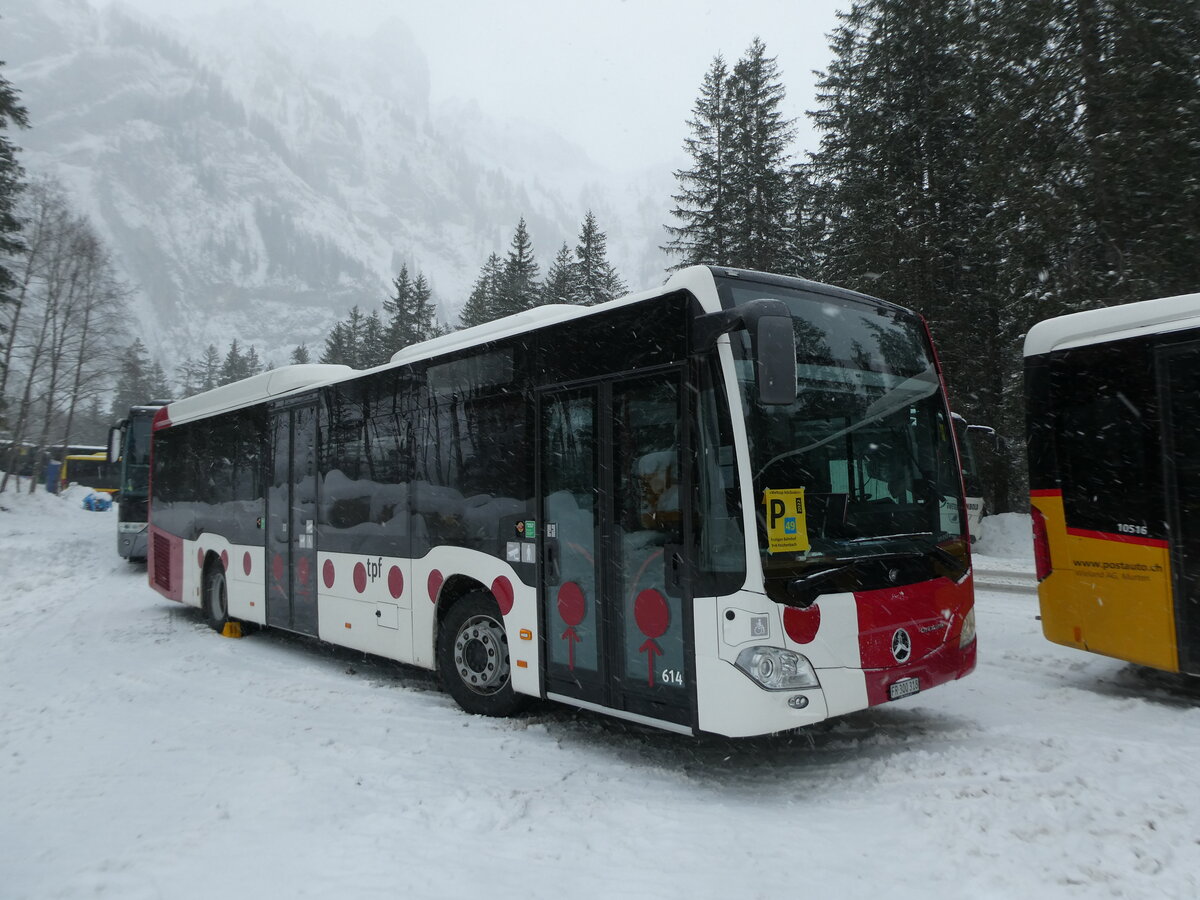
776,669
1041,545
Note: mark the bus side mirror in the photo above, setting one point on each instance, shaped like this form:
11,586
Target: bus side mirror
986,434
114,443
772,344
775,359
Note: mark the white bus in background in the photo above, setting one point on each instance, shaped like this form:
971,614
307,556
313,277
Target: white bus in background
730,505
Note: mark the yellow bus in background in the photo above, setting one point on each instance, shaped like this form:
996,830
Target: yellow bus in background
1113,433
90,470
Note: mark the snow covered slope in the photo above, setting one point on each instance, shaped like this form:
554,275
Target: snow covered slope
256,179
144,756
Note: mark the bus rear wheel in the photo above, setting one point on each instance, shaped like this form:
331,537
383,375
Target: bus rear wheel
473,659
216,597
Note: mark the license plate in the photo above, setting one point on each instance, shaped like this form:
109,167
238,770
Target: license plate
904,687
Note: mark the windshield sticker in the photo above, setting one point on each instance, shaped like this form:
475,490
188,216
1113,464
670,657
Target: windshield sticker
787,521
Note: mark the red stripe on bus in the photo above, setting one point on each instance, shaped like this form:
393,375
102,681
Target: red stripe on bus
161,420
1046,492
1118,538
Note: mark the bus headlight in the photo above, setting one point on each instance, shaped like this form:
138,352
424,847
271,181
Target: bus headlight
776,669
968,629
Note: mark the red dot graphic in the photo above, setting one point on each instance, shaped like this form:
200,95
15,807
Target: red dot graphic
328,573
302,566
801,625
277,567
434,584
652,613
395,582
360,577
200,557
225,560
571,605
247,563
502,590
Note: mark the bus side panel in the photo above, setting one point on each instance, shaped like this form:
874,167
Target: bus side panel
245,579
1104,594
164,564
365,603
1122,594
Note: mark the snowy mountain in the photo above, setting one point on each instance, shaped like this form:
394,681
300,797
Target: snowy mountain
255,178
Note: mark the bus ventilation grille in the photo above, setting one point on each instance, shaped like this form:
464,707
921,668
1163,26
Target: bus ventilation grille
162,562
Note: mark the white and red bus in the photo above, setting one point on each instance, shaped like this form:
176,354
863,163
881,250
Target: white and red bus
729,505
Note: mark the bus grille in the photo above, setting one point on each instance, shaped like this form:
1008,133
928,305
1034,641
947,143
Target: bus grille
162,562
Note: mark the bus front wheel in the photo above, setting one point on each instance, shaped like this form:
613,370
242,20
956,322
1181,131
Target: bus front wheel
473,659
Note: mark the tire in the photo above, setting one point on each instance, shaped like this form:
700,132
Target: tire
216,597
473,660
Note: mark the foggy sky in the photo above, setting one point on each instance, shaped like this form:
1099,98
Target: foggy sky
617,77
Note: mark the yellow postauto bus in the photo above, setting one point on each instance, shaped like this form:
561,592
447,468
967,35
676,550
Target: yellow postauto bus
90,469
1113,432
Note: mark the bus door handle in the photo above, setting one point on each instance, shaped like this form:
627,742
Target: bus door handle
551,573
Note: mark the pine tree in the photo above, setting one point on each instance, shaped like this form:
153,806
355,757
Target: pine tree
375,347
758,178
234,367
157,385
519,281
701,206
136,379
300,355
337,347
11,180
356,338
483,302
253,364
598,281
562,279
409,311
210,368
1139,96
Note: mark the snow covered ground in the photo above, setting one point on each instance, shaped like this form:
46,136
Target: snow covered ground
144,756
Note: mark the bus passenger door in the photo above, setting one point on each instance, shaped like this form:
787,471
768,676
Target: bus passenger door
611,535
1179,373
291,520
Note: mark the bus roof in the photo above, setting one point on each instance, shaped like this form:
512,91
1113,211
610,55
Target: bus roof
1113,323
294,379
697,280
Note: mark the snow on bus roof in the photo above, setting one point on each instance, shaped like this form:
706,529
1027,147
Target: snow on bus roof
1112,323
697,279
255,389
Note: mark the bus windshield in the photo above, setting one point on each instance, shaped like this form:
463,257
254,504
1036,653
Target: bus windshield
867,439
135,455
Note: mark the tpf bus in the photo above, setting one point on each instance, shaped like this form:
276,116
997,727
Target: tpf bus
729,505
1114,475
129,449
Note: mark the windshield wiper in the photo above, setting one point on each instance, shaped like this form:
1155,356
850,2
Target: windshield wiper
805,589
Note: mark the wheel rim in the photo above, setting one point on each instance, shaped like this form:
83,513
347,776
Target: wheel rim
216,597
481,655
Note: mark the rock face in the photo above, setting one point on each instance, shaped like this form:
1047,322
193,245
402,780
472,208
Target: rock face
255,179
